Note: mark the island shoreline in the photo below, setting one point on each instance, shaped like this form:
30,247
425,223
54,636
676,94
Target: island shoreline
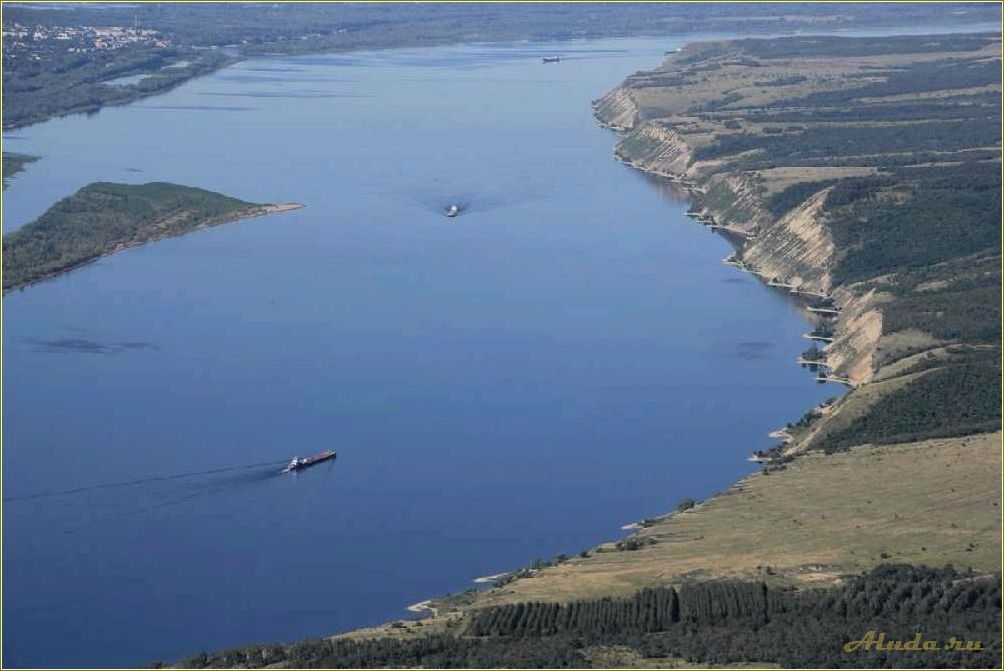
247,213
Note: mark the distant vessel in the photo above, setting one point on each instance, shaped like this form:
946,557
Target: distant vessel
296,463
453,210
552,59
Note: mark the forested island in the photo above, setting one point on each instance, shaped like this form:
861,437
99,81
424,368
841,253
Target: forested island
104,217
14,163
862,175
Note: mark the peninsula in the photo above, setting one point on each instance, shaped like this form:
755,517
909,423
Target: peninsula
103,218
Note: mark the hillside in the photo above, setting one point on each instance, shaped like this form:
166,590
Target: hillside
864,174
103,218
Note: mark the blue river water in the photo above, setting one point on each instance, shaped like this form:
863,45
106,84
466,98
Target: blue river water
567,356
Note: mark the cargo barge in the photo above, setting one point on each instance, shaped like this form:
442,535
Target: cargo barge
298,464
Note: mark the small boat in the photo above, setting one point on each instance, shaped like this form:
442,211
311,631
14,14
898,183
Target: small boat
453,210
552,59
297,464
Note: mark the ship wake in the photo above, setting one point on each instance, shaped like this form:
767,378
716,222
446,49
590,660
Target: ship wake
139,481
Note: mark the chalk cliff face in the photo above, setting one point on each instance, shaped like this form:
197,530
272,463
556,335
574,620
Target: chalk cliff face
734,199
655,147
810,154
617,109
794,249
797,249
852,354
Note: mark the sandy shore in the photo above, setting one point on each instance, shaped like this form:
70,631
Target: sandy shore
422,607
274,208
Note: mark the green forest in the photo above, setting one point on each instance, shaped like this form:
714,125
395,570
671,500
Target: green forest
719,622
950,399
914,218
14,163
67,83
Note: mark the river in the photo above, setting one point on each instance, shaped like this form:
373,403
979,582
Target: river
567,356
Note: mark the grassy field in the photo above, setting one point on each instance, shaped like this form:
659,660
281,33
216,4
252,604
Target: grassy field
934,503
931,503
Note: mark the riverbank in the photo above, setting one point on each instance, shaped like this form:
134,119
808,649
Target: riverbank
790,246
76,67
86,84
130,215
812,523
743,163
830,511
799,526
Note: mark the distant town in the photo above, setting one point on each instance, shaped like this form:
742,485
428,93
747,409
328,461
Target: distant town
35,42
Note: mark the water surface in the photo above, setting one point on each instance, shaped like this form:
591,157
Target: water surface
565,357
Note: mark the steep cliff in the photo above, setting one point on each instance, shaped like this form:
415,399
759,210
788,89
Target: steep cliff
656,147
617,109
797,249
857,334
860,219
